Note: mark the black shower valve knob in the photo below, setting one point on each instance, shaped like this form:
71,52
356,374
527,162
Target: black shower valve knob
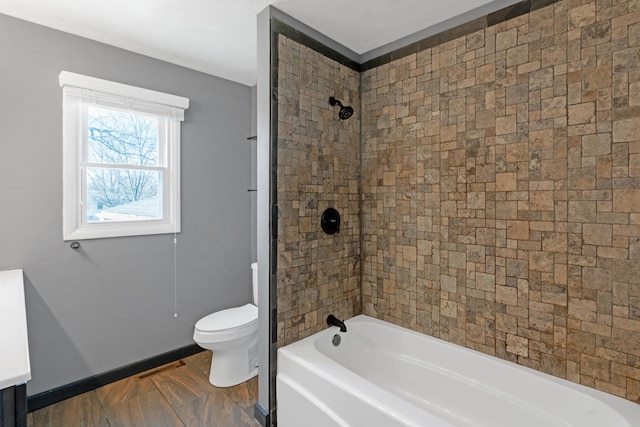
330,221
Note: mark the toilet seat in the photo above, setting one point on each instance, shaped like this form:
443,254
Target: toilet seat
229,324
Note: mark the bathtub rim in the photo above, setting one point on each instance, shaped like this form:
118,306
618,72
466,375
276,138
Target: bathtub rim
296,351
310,359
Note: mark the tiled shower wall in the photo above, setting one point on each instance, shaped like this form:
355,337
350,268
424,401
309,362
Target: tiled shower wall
501,192
318,166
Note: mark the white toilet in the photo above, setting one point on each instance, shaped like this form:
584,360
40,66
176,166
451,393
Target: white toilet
232,334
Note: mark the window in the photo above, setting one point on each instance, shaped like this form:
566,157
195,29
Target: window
121,159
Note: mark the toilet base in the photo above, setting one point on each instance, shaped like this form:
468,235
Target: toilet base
234,366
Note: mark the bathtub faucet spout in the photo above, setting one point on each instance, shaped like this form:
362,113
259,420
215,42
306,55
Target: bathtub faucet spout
334,321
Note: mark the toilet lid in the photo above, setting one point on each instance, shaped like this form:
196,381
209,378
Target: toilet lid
228,319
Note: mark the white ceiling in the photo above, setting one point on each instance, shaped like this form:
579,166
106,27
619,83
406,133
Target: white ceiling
218,37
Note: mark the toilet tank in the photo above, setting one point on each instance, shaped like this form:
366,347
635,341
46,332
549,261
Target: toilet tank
254,277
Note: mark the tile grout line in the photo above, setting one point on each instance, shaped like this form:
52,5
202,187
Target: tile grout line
167,400
108,401
102,407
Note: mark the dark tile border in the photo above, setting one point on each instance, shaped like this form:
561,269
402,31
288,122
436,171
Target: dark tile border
478,24
270,413
502,15
510,12
280,27
59,394
539,4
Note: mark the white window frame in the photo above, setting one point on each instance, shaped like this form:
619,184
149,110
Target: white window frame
78,92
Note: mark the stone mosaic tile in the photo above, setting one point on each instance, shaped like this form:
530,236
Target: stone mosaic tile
500,192
318,167
491,181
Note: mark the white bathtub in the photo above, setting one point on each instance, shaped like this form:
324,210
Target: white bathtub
384,375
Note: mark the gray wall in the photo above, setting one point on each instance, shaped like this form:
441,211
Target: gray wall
110,303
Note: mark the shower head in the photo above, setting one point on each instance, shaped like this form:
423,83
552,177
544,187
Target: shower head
345,112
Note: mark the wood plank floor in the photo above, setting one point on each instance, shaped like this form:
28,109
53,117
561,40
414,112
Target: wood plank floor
178,397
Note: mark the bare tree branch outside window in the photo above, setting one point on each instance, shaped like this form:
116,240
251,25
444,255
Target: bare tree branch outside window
123,139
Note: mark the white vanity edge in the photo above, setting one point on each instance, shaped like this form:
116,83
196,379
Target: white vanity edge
14,348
